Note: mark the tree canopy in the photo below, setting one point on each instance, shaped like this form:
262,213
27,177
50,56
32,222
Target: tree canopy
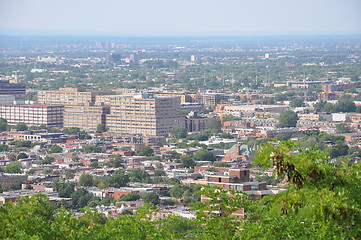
117,179
21,126
86,180
55,149
151,197
146,151
13,167
101,128
3,124
204,155
321,202
179,132
287,118
343,128
297,102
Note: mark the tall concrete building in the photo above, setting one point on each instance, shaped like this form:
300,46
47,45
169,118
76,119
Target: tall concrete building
81,109
85,117
70,96
144,114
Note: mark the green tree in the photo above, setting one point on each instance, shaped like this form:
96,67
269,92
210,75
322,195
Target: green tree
81,198
221,164
216,216
354,152
159,173
174,155
55,149
297,102
320,202
75,158
146,151
19,143
21,126
214,125
117,179
3,124
22,155
179,132
86,180
13,167
69,174
130,197
101,128
48,170
27,219
226,135
47,160
287,118
187,161
338,150
31,171
344,105
3,148
332,139
71,131
169,202
204,155
343,128
138,175
151,197
94,164
183,191
202,136
64,189
91,148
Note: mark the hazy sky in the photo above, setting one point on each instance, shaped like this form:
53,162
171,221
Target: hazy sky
180,17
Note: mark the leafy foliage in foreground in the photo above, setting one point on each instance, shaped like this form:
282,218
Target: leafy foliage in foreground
322,202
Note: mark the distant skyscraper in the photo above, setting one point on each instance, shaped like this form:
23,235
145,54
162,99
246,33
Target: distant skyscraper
135,58
115,57
193,58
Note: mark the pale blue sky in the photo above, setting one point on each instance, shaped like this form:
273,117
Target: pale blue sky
185,17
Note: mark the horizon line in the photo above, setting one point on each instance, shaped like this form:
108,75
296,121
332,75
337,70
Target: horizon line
44,33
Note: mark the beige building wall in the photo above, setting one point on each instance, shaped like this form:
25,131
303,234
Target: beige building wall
196,124
85,117
70,96
144,114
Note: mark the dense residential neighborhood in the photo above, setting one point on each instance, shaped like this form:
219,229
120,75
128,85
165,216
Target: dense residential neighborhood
179,130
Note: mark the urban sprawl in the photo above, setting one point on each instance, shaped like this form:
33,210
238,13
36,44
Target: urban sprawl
113,125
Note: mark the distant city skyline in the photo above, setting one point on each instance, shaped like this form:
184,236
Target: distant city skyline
179,18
